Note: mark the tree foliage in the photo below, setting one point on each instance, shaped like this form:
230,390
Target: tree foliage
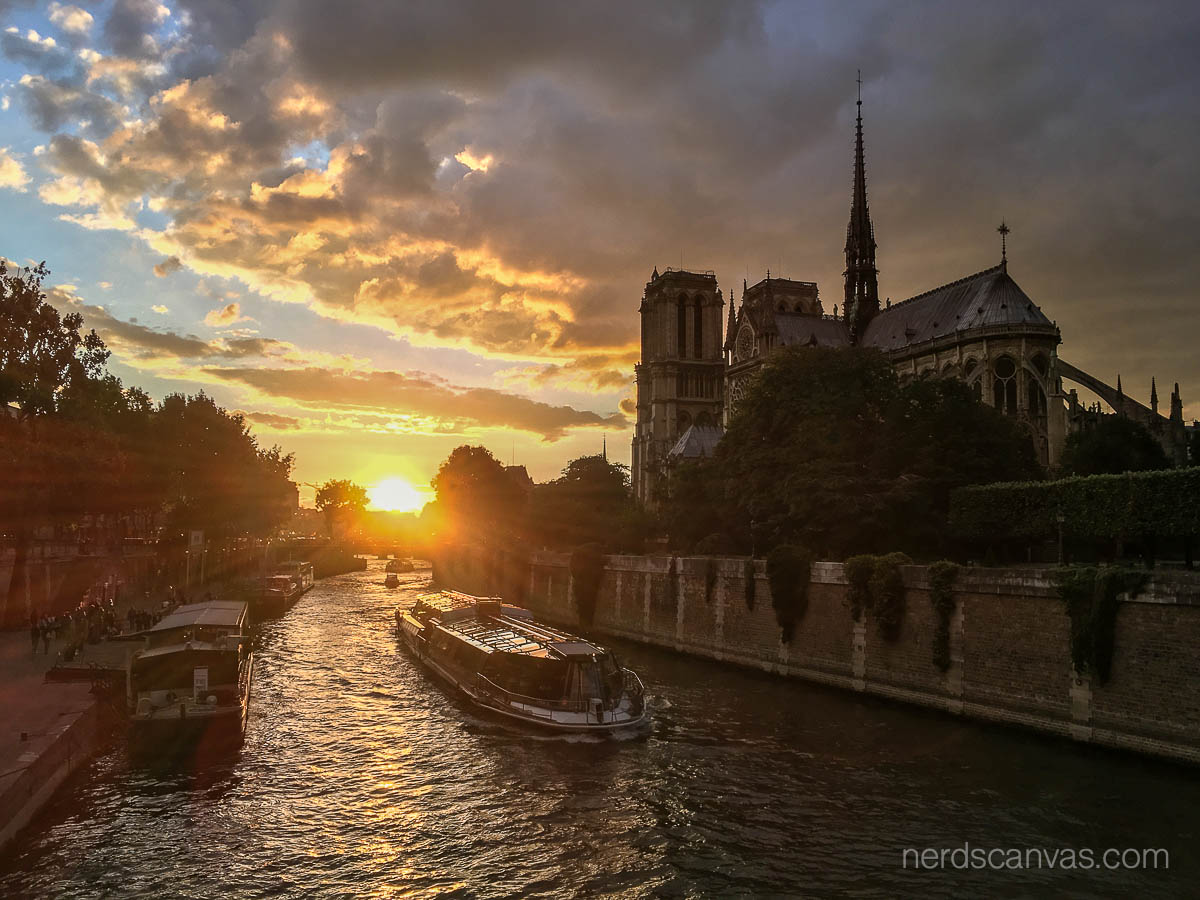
829,451
1113,445
590,503
476,498
340,500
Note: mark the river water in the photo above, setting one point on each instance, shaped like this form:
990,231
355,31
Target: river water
360,776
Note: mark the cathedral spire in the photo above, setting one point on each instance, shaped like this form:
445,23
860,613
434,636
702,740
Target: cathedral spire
1153,396
862,284
729,326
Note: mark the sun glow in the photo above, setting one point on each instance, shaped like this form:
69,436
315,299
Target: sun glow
396,495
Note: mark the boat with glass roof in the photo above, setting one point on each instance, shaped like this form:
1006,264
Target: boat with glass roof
504,661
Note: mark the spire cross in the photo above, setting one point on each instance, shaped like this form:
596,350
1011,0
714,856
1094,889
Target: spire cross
859,79
1004,230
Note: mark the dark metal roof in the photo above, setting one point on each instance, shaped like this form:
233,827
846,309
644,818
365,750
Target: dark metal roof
983,300
798,329
698,441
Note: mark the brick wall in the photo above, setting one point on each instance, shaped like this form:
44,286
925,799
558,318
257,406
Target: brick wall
1009,639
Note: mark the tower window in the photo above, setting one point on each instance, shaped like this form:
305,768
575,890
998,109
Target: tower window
698,328
1004,385
681,309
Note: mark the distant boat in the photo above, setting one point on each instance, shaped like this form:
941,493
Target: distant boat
392,580
505,662
192,680
399,565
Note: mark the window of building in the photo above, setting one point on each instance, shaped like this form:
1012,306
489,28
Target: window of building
1037,399
1004,385
698,328
681,309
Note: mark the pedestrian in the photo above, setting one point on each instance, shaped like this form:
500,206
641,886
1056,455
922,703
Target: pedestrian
46,639
35,634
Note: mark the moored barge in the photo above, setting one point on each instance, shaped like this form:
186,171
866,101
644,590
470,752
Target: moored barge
507,663
192,680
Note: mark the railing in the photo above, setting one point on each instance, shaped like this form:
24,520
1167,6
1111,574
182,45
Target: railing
631,687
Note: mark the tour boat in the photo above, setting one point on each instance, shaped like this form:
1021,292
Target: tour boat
399,565
507,663
192,679
301,572
392,580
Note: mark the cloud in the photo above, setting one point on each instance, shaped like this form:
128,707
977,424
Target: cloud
160,309
273,421
12,173
413,394
225,316
71,18
502,178
167,266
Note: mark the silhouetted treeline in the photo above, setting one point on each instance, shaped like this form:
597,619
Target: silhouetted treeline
74,441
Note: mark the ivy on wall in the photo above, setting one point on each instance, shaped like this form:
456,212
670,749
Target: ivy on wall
942,576
789,569
748,577
587,568
875,583
1091,595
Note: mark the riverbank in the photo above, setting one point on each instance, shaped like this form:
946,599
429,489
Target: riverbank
1008,638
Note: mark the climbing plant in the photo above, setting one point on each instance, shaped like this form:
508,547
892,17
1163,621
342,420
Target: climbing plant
672,583
788,570
587,568
1091,595
748,577
942,576
875,583
858,571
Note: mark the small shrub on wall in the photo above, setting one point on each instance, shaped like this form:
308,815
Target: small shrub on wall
1091,595
875,583
858,571
942,576
789,569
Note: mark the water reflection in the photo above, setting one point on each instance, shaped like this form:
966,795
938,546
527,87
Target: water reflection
360,775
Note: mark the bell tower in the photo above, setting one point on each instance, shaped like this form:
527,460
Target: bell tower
680,379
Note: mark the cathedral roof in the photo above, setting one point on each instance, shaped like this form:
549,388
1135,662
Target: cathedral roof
988,298
798,329
698,441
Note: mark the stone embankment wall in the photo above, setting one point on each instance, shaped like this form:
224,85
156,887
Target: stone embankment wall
1010,657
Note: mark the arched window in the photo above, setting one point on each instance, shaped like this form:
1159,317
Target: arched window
977,389
1041,364
681,309
698,328
1004,385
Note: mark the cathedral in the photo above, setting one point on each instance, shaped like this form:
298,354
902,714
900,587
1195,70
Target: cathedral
982,329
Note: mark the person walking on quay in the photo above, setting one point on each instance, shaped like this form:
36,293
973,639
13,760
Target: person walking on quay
45,637
35,632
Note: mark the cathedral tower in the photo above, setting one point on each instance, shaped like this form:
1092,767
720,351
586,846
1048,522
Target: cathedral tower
862,284
680,379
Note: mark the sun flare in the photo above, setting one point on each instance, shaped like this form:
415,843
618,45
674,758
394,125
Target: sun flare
396,495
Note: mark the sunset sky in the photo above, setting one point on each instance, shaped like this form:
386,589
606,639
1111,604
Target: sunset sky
386,229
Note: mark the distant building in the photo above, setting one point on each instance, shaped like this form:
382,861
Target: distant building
983,329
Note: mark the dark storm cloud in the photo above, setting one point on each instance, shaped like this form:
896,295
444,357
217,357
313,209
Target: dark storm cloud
597,140
411,394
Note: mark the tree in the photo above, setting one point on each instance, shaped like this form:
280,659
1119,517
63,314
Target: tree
828,451
1113,445
590,503
476,498
340,501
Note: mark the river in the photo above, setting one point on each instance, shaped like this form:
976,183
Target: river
360,776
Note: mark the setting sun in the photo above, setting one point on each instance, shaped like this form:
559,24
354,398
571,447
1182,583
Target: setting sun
396,495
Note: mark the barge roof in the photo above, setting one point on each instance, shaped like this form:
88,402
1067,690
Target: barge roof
512,631
218,613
